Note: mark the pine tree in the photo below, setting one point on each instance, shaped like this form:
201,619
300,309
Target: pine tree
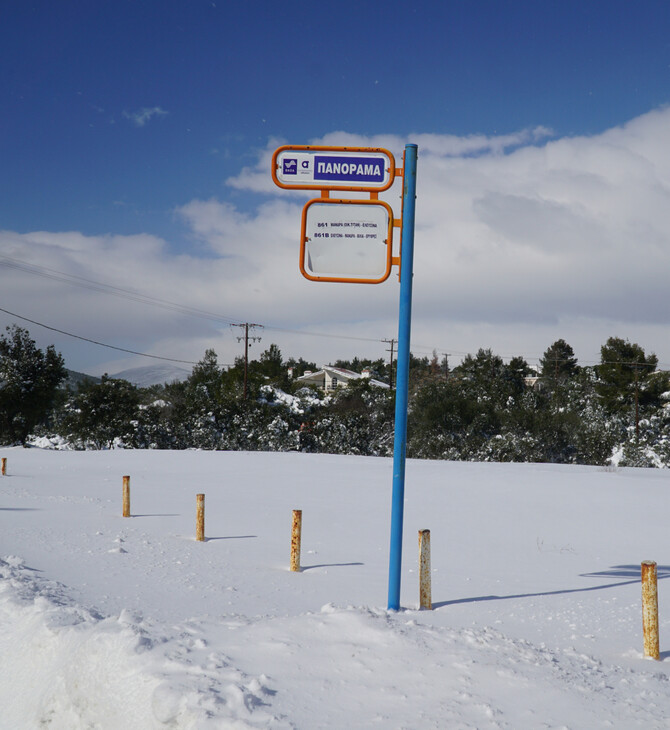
625,377
103,413
29,380
558,362
271,362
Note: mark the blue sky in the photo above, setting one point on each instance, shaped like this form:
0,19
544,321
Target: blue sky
119,118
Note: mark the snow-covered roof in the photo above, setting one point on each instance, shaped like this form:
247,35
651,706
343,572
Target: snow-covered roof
342,375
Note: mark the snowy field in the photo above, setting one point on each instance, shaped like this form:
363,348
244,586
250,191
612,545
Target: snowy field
116,623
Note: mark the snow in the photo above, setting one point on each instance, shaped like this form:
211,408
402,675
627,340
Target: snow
296,404
110,622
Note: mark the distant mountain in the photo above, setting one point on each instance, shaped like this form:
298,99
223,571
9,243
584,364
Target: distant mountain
73,379
153,375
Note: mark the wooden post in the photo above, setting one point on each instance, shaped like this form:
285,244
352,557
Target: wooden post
650,609
296,537
425,597
4,466
200,518
126,496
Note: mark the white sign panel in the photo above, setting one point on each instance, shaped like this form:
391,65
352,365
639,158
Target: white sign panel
346,241
335,169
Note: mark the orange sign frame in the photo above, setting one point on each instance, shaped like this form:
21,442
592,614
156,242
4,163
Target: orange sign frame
390,261
313,150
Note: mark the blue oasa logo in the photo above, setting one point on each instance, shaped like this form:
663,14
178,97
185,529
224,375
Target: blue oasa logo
290,166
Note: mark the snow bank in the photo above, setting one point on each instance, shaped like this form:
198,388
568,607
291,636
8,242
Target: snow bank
64,666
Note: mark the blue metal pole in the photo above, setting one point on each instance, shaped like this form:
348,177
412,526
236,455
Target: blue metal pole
402,379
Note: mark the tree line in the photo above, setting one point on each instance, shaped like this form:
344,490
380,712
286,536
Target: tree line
484,409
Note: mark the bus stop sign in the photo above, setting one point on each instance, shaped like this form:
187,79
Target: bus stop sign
333,168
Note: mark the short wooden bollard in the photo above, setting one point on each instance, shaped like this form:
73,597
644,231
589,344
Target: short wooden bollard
126,496
425,595
296,537
650,609
4,466
200,518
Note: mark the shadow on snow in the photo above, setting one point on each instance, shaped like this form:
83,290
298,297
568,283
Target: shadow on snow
617,571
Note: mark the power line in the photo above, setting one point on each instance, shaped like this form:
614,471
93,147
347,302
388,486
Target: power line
95,342
110,289
128,294
322,334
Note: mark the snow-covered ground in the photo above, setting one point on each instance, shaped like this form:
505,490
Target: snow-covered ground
111,622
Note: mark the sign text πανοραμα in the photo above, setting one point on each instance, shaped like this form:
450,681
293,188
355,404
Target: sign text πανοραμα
349,169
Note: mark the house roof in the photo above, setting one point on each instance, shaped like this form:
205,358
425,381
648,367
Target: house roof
341,374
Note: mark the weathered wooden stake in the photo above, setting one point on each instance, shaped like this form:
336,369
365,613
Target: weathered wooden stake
296,537
126,496
200,517
4,466
650,609
425,597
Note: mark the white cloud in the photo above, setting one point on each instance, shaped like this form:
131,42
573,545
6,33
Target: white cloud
142,116
520,240
257,179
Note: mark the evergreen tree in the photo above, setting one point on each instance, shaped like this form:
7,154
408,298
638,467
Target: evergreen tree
482,376
271,362
211,400
481,368
29,380
207,375
558,362
444,421
103,414
456,418
515,374
626,379
419,368
357,419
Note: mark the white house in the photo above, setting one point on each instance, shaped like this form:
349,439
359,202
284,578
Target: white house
330,378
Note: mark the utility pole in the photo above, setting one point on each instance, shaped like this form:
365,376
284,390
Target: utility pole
247,326
446,364
392,343
637,407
